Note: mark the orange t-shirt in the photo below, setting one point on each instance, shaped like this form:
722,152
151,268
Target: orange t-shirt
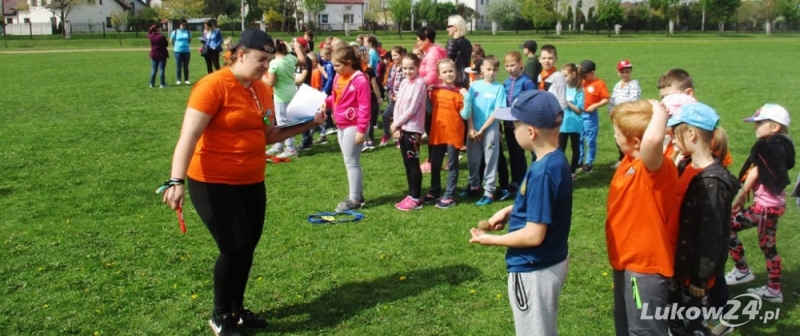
447,126
639,236
316,79
594,92
339,86
226,56
231,148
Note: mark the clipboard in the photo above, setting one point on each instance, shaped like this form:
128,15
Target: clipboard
295,122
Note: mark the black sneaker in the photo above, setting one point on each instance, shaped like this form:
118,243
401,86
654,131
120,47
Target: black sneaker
224,325
322,140
587,168
250,320
430,198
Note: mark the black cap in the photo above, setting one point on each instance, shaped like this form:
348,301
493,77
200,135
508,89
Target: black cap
588,66
530,44
256,39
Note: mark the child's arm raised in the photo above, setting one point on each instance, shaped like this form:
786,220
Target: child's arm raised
651,148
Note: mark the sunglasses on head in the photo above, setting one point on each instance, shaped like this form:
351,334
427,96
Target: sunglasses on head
450,26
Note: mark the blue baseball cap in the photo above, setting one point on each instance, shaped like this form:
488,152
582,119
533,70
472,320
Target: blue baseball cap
539,109
696,114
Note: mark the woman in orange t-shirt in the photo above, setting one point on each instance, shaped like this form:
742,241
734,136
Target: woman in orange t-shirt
220,153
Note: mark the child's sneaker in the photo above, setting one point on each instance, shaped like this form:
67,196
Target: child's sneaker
368,146
178,83
504,194
187,82
331,130
767,294
275,150
430,198
322,140
469,192
574,177
445,203
737,277
384,140
224,325
425,167
250,320
485,200
287,154
408,204
349,204
587,168
719,329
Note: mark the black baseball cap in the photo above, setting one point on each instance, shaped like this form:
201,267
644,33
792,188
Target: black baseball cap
530,44
256,39
588,66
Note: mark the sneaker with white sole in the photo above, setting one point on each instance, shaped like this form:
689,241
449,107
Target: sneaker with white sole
224,325
766,294
331,131
178,83
718,328
737,277
187,82
275,150
287,154
350,204
250,320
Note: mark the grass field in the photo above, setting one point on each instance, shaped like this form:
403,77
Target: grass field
87,248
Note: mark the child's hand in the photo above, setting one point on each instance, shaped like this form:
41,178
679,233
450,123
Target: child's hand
738,204
480,237
696,291
360,138
658,107
472,134
499,219
396,134
464,91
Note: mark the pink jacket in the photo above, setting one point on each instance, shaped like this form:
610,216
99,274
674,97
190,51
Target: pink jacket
352,108
409,109
428,67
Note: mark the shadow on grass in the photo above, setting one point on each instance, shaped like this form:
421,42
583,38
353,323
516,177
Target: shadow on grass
345,301
5,191
787,309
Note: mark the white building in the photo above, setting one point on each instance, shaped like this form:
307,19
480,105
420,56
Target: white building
337,13
91,16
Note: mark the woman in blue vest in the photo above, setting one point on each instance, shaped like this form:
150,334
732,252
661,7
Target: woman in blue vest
181,38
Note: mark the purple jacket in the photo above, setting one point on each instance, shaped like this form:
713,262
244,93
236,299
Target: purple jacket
158,46
353,107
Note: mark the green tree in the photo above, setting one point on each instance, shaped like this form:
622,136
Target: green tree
215,8
314,7
504,12
667,9
790,10
401,12
181,9
722,11
609,13
637,16
377,13
541,13
423,10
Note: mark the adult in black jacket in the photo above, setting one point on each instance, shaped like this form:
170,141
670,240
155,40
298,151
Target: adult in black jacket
459,49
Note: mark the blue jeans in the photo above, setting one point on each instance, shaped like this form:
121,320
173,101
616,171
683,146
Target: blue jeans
156,65
182,62
591,123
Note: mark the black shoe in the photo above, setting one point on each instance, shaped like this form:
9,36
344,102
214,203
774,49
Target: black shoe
587,168
321,140
250,320
430,198
224,325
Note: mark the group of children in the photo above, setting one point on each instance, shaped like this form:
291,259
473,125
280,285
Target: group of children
673,211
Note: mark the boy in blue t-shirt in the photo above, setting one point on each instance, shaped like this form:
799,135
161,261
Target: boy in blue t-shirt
483,143
540,219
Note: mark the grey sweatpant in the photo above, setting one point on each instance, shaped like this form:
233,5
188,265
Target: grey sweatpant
352,160
281,118
489,149
534,299
634,292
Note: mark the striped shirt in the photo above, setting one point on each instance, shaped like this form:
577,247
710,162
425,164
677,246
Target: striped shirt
623,94
396,76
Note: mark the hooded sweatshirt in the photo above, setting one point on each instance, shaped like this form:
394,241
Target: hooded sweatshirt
774,157
353,107
704,231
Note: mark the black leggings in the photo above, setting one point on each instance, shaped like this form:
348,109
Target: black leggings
212,58
234,215
409,149
575,146
374,108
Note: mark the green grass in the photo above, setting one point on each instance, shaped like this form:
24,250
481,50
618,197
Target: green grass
87,247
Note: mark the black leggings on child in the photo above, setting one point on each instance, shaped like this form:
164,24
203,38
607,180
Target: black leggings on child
409,149
575,147
234,215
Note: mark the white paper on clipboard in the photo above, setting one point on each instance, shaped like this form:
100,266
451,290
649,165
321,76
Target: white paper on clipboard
305,104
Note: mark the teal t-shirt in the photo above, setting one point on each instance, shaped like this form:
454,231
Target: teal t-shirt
180,40
486,97
283,68
573,123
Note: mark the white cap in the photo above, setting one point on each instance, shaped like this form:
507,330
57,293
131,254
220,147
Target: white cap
772,112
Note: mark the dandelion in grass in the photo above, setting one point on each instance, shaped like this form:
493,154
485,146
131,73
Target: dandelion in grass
402,278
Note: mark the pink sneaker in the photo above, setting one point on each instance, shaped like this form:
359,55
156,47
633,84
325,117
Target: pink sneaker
425,167
384,140
408,204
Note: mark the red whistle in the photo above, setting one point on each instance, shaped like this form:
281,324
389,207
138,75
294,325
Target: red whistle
180,220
